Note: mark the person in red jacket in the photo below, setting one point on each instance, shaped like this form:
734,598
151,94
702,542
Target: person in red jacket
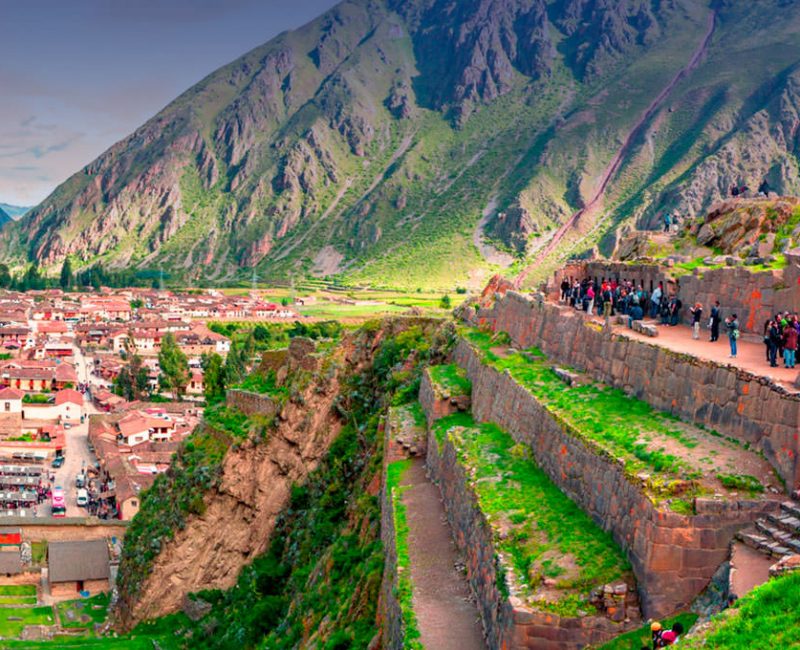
789,344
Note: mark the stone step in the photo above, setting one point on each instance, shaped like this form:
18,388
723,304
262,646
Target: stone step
791,508
752,538
777,539
785,522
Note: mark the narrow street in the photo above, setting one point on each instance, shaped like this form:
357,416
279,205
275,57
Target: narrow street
77,456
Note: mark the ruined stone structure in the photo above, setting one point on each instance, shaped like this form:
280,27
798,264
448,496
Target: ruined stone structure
673,555
734,402
251,403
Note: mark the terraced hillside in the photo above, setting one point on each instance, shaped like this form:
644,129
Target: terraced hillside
386,141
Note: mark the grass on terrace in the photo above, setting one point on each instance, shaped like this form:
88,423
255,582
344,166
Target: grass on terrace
14,619
17,594
83,613
548,535
625,427
394,477
451,379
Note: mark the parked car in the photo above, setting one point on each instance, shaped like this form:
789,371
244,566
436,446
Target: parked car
83,498
80,480
58,461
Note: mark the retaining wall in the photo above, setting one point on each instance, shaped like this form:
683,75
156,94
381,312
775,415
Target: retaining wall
507,622
673,556
251,403
734,402
754,297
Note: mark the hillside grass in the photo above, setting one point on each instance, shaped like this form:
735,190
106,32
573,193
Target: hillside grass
768,618
547,534
642,637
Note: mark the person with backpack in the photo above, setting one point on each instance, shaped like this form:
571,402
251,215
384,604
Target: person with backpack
675,311
667,222
655,299
774,338
732,325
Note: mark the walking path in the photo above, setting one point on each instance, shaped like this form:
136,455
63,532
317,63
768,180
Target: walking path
750,356
447,618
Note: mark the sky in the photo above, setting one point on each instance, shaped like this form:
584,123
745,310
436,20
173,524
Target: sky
76,76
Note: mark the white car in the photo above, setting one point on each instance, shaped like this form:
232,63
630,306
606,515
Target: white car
83,498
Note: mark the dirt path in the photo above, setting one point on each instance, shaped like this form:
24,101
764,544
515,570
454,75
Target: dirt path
749,568
448,620
589,212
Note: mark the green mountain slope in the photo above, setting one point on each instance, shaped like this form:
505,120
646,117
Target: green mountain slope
384,141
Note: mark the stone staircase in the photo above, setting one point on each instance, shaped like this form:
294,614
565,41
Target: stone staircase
776,535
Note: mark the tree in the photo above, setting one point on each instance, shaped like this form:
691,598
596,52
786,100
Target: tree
235,366
137,303
66,275
213,376
445,303
174,366
133,380
5,277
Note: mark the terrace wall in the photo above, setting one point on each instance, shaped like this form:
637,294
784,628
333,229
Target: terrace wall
506,621
673,556
736,403
251,403
754,297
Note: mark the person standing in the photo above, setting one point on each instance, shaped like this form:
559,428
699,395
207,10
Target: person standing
732,325
789,344
774,338
715,320
667,222
697,314
675,311
655,299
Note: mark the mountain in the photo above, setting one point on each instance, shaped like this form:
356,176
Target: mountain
424,143
13,211
4,218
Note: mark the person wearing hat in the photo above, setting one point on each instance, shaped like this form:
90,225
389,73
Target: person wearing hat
655,633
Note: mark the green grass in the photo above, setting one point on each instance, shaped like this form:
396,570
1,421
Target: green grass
26,616
548,535
610,419
451,379
395,472
768,618
83,613
17,590
641,638
743,482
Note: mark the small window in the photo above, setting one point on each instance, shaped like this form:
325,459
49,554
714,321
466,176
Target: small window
134,503
8,406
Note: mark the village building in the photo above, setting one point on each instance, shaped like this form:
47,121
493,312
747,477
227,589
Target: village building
78,566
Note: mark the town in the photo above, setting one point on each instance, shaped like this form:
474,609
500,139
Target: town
88,418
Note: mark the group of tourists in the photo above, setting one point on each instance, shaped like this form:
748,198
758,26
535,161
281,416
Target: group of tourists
624,297
781,335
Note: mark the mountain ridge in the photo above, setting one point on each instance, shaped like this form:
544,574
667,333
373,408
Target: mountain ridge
367,144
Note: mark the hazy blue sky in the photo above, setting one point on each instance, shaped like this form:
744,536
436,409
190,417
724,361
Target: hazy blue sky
78,75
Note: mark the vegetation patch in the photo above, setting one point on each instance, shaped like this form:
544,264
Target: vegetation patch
451,379
395,473
538,530
642,638
766,619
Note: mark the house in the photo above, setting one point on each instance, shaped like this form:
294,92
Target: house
78,566
70,404
11,400
195,386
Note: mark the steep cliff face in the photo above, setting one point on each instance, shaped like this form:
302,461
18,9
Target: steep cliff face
377,135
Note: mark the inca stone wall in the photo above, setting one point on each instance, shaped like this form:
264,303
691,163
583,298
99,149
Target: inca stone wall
673,556
734,402
753,297
507,624
436,402
251,403
389,607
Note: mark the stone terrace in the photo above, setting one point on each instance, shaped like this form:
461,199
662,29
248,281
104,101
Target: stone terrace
638,474
749,407
544,575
